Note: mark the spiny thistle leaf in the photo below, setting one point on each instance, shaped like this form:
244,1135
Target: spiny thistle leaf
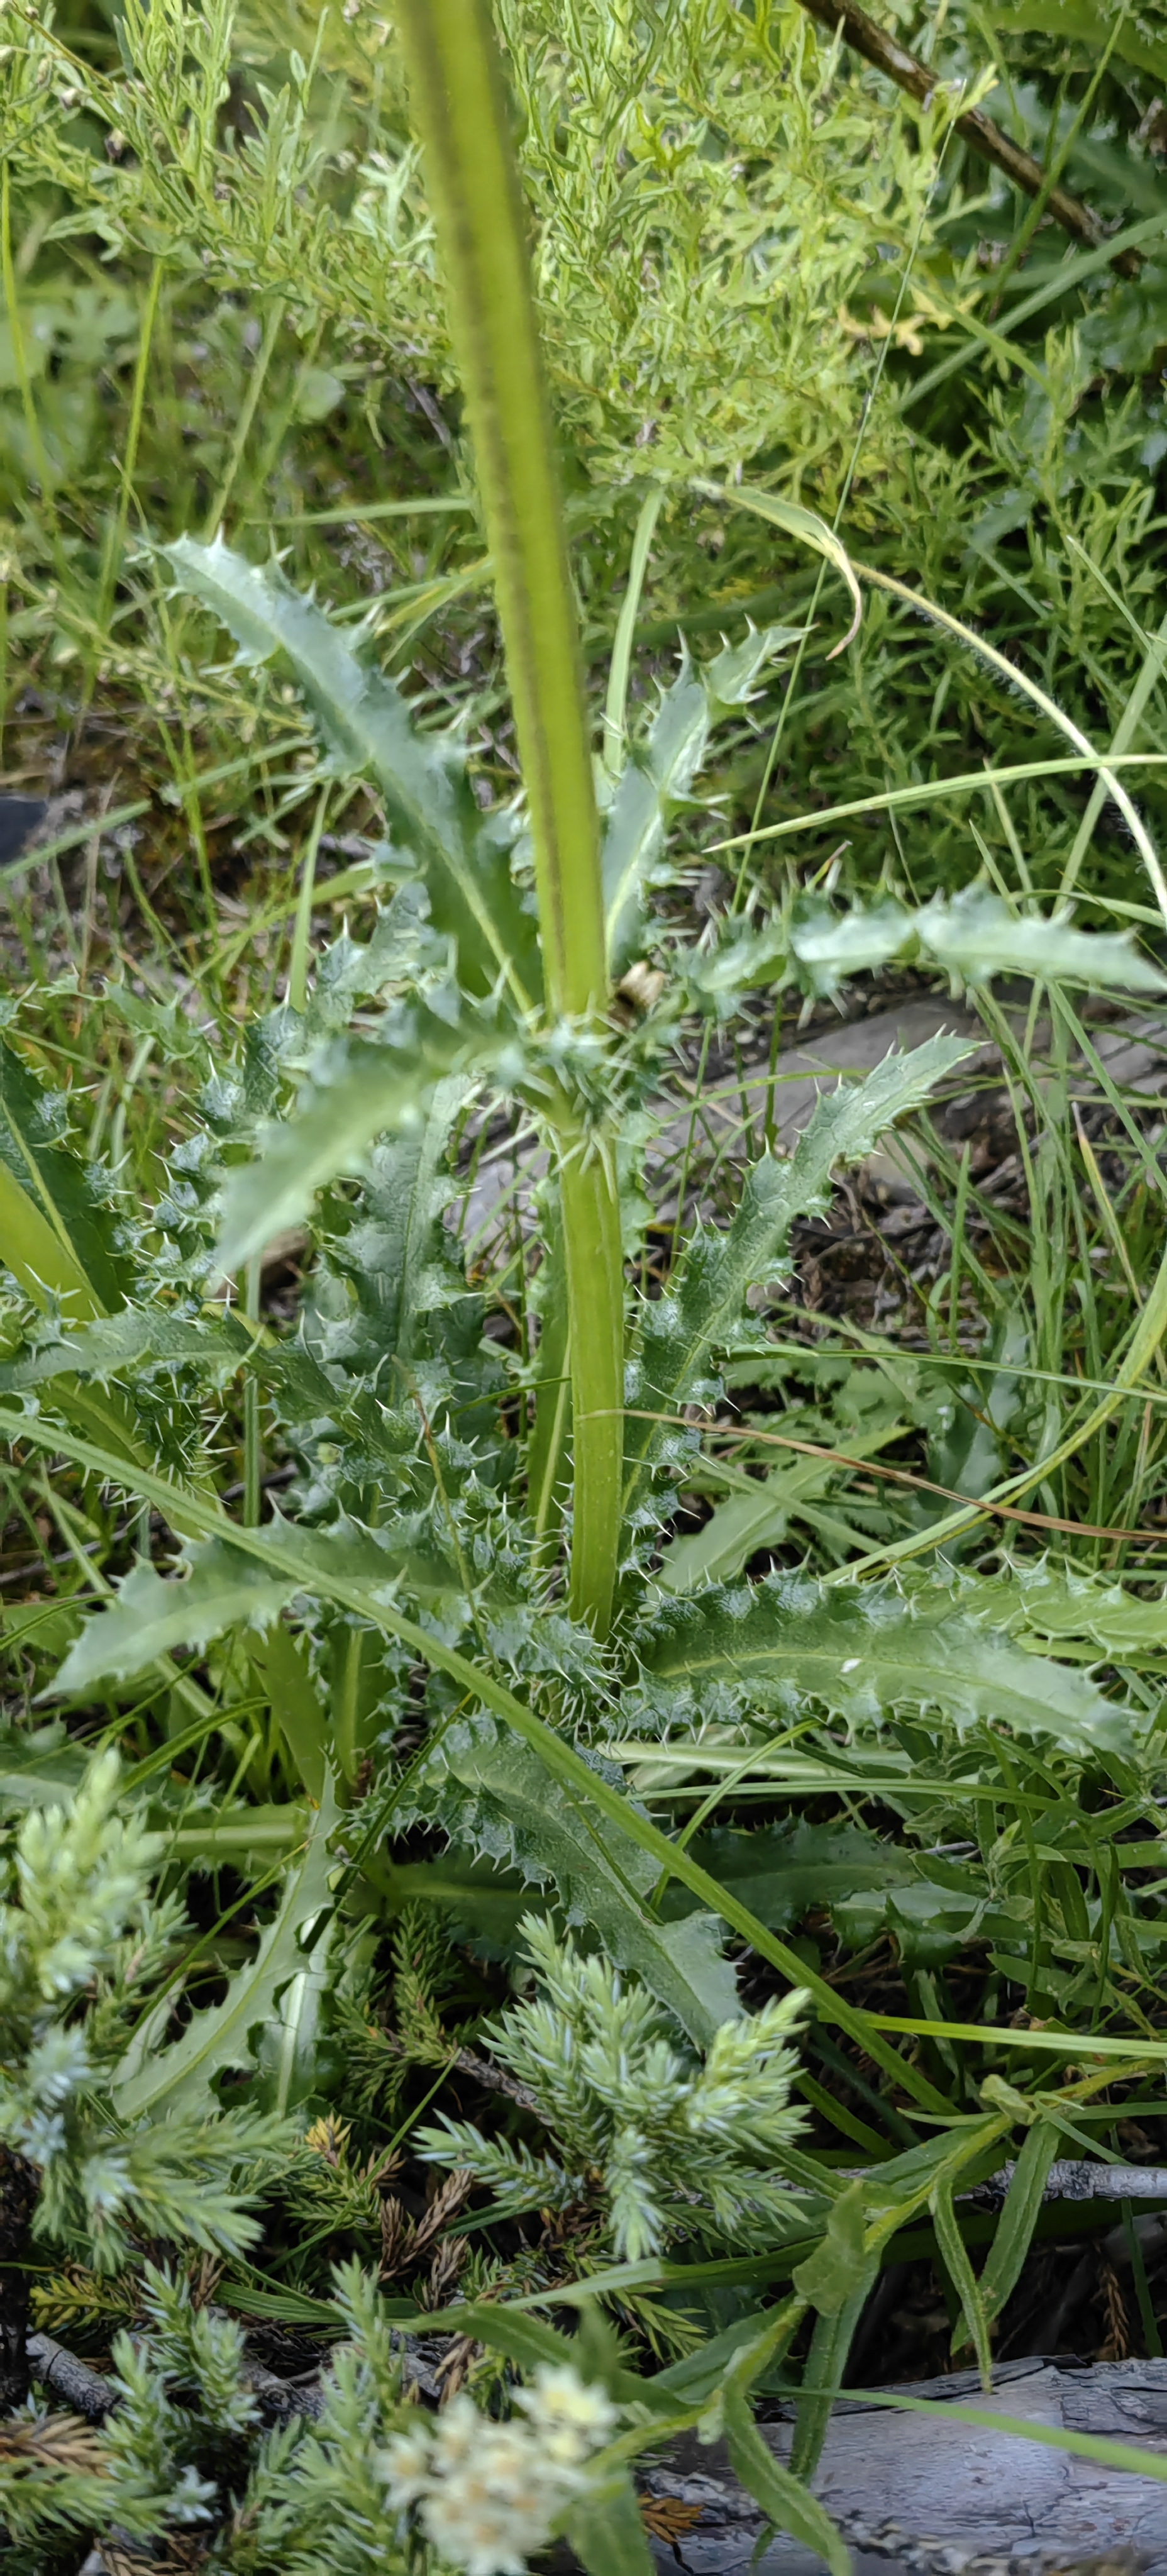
152,1616
367,726
972,935
225,1588
682,1329
659,776
506,1806
397,1261
358,1092
861,1652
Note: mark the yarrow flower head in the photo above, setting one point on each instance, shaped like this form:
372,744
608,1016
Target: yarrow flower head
487,2495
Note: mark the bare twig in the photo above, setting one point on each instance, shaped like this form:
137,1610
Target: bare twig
64,2376
1081,2179
495,2079
1076,2179
974,127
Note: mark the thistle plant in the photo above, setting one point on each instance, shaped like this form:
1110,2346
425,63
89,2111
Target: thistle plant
669,2144
461,1604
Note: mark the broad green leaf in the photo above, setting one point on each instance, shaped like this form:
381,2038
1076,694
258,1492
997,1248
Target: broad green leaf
152,1616
860,1651
808,528
39,1770
1018,2218
787,2504
681,1330
154,2082
282,1661
972,935
1085,23
286,2050
955,2256
56,1235
658,777
756,1513
902,2184
556,1835
606,2531
358,1092
830,2275
367,726
783,1870
823,2372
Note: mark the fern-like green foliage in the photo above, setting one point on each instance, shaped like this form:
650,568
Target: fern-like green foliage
672,2145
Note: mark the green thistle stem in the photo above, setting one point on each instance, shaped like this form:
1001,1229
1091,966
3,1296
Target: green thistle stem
460,107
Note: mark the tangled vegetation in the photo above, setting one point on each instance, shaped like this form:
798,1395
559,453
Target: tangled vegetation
581,1753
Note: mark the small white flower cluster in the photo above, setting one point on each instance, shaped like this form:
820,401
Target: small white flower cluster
487,2494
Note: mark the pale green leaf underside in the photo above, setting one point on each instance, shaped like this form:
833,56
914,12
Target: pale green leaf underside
659,776
225,1587
362,1092
973,936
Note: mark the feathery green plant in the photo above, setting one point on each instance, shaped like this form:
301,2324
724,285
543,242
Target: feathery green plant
81,1921
676,2147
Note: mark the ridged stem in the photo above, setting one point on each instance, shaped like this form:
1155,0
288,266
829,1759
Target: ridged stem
460,107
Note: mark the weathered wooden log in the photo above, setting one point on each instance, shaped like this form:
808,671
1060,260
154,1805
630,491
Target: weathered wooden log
938,2495
913,2494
